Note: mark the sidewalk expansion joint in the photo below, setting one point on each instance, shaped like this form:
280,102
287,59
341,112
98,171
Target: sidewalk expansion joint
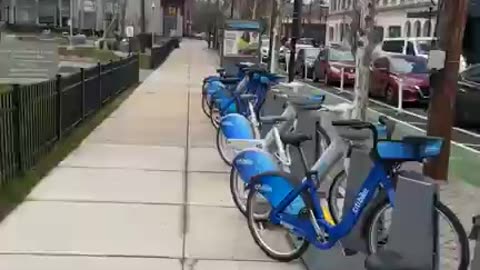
185,176
118,168
104,202
91,255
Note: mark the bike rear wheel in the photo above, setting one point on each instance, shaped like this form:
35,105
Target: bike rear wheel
454,251
288,247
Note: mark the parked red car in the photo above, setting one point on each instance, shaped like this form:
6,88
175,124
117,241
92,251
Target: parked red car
388,72
329,63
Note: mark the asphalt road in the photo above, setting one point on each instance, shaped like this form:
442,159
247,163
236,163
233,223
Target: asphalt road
414,116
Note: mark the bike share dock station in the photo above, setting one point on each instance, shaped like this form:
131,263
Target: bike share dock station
411,245
241,43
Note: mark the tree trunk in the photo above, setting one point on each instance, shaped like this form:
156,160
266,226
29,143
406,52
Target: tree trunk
254,10
276,36
364,39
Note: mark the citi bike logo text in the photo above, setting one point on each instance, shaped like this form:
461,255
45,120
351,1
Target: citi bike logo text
360,199
244,161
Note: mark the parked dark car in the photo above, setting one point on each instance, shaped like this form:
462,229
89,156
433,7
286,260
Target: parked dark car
329,63
468,98
389,72
306,56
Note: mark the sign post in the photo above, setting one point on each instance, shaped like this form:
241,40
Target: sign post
130,33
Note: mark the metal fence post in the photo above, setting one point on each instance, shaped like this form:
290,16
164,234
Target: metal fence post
317,140
400,97
17,102
58,89
82,78
475,236
100,101
342,79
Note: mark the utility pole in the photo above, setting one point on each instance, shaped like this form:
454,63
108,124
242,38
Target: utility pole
142,14
452,21
296,29
217,22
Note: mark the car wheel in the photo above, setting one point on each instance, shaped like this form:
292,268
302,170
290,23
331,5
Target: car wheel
390,96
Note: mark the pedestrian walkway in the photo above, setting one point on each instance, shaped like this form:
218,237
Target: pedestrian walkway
146,190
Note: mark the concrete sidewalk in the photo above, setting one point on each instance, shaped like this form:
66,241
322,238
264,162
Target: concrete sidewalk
146,190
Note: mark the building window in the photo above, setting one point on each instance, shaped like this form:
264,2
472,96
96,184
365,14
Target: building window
385,2
330,33
427,28
378,34
408,29
417,26
394,31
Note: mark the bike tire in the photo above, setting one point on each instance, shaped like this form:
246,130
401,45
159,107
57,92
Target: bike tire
215,122
233,191
205,105
443,210
331,199
251,220
221,152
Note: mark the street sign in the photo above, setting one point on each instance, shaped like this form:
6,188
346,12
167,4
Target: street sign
27,61
130,31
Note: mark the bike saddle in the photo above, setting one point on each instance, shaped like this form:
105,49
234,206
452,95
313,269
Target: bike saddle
229,80
306,103
220,70
388,260
248,97
272,120
295,139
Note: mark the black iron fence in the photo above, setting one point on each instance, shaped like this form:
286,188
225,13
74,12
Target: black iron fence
159,54
34,117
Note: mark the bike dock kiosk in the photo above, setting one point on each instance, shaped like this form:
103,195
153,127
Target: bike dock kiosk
241,42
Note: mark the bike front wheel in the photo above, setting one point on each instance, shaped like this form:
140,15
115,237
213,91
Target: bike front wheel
276,241
215,115
226,152
454,252
205,105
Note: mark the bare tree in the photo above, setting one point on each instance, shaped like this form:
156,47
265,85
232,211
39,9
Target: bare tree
362,40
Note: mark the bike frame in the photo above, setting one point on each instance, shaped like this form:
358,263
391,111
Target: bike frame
271,138
313,227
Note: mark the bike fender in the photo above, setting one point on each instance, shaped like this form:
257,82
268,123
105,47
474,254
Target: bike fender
275,186
253,161
236,126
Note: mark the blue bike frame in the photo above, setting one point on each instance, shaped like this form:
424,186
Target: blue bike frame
304,228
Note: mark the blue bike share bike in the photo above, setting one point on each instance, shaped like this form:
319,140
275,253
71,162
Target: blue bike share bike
214,85
292,208
252,89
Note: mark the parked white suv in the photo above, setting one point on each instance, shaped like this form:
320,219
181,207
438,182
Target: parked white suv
410,46
418,46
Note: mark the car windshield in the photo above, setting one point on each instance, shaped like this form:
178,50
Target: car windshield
265,42
312,53
340,55
408,66
424,46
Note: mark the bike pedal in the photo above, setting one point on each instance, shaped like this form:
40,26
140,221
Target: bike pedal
349,252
